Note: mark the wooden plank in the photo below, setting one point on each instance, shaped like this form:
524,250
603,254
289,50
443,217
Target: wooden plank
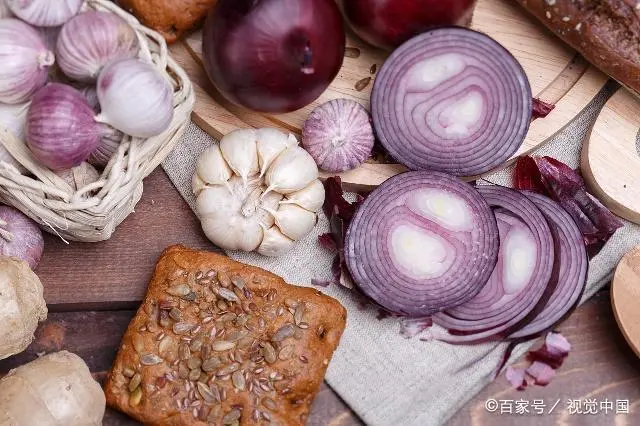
601,366
556,73
114,274
95,337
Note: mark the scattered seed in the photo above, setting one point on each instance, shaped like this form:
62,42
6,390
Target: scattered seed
228,369
238,282
298,334
241,320
256,415
194,374
183,371
283,333
194,362
231,417
175,314
271,296
237,378
304,359
152,326
245,342
135,382
269,353
165,345
373,69
220,332
207,320
222,345
228,295
211,364
196,344
280,311
138,343
362,84
298,314
286,352
182,327
128,372
135,397
352,52
205,391
179,290
223,392
266,416
164,319
223,278
291,303
229,316
303,325
150,359
269,403
196,330
222,305
234,336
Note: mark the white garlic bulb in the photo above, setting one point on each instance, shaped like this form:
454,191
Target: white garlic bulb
257,191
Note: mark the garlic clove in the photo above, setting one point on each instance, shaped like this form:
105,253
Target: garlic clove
239,150
212,167
294,221
291,171
249,235
269,202
197,184
310,197
274,243
216,201
233,232
271,143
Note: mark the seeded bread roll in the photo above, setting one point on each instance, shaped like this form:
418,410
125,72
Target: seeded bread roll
219,342
605,32
171,18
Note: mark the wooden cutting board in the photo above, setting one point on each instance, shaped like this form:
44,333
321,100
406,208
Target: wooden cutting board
557,74
611,156
625,297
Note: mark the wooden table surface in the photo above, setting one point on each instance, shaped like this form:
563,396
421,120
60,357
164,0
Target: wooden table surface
600,368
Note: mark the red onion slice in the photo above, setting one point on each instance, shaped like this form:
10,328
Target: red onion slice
569,274
451,100
422,242
523,270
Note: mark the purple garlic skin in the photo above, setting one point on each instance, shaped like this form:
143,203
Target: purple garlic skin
20,236
338,135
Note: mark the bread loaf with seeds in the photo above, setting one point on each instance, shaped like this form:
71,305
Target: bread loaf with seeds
217,342
605,32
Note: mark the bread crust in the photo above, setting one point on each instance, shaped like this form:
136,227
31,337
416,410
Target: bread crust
605,32
171,18
277,383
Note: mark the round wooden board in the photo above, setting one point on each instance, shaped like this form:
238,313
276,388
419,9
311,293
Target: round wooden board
611,156
625,297
557,74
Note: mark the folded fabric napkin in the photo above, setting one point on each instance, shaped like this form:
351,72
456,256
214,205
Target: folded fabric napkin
385,378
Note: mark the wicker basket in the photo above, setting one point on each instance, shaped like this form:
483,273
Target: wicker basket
92,213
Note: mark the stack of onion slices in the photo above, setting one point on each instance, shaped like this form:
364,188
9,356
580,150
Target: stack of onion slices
486,263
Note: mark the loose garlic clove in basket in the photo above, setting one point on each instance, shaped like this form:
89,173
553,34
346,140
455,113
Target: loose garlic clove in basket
257,191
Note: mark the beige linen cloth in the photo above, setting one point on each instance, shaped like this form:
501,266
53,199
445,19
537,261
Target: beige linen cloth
386,379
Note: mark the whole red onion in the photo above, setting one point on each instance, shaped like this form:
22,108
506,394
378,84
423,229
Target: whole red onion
273,56
61,131
389,23
20,236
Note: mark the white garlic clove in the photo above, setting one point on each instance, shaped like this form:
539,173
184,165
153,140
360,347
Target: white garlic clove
274,243
271,143
294,221
239,150
291,171
233,232
269,202
216,201
197,184
310,197
212,168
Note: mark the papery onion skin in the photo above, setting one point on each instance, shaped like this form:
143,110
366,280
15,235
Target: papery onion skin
135,98
389,23
451,100
273,56
24,61
459,216
569,274
13,118
45,13
107,148
92,39
61,131
497,310
21,237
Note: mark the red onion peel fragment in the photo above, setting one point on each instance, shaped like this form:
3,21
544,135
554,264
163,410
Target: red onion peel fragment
338,135
451,100
422,242
541,372
541,109
516,376
519,280
564,185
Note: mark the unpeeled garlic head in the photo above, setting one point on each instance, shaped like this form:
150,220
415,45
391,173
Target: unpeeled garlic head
257,191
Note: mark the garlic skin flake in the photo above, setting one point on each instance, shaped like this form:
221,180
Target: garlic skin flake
241,187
